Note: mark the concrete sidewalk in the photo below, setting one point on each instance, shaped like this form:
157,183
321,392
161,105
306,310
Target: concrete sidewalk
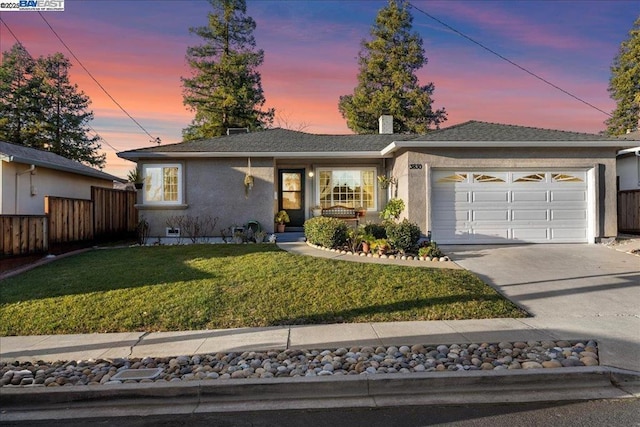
573,292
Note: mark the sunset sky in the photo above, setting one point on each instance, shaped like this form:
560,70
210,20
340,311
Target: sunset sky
136,50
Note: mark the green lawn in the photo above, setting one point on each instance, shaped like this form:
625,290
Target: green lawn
226,286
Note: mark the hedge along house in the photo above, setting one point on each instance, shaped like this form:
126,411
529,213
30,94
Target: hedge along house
475,182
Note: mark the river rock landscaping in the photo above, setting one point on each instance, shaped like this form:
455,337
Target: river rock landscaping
305,363
403,257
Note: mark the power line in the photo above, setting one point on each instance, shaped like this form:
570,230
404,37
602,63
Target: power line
25,49
154,139
14,36
508,60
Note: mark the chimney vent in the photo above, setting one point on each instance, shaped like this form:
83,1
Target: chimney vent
235,131
385,125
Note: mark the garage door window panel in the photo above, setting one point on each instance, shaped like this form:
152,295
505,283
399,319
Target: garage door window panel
531,178
482,177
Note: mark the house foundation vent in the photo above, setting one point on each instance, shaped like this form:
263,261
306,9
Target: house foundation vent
172,232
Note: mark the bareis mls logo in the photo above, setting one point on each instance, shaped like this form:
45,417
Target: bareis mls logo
32,6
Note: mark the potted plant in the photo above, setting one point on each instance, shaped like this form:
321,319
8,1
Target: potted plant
281,218
259,236
316,211
135,177
367,240
392,210
380,245
248,185
361,211
385,182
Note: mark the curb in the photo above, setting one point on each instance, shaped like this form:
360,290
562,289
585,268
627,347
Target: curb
449,388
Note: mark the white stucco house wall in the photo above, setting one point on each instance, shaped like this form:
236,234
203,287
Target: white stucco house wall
27,175
628,163
474,182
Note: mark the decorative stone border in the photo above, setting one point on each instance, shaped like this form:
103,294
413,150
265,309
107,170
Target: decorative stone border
370,255
357,360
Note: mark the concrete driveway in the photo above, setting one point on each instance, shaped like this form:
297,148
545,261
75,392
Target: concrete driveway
577,291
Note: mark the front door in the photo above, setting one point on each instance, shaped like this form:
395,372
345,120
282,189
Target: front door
291,195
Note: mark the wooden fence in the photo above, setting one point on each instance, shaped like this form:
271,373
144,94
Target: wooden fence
70,220
110,214
114,214
629,211
23,234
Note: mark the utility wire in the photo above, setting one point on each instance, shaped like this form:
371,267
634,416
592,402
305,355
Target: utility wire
25,49
507,60
14,36
154,139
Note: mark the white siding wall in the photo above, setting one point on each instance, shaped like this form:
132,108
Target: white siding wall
46,182
628,168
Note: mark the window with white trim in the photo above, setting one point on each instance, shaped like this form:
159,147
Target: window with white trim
162,184
347,187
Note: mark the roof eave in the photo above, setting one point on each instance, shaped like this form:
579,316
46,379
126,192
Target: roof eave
632,150
137,155
48,165
396,145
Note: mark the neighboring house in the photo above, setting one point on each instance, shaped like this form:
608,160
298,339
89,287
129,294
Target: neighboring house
628,164
475,182
28,175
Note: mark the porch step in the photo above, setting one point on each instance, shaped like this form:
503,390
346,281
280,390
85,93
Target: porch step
290,236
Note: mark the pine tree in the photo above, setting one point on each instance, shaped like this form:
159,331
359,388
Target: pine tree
20,108
387,83
66,114
624,84
40,108
225,90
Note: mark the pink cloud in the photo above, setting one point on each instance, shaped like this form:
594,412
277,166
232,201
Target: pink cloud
495,19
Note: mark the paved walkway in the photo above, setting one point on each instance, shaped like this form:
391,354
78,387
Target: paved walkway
572,291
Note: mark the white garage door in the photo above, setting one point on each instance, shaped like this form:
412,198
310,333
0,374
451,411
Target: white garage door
509,207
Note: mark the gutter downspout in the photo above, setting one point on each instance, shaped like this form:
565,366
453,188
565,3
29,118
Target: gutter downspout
31,170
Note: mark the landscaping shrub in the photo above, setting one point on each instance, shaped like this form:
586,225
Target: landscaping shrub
325,231
376,230
403,236
354,238
430,249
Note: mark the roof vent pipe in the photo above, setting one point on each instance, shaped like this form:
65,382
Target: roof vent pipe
385,125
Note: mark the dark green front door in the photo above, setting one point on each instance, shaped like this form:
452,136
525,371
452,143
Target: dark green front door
291,195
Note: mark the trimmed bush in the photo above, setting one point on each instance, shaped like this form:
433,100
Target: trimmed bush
403,236
430,249
376,230
325,231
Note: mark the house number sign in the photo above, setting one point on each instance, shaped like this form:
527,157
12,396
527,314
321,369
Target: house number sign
415,166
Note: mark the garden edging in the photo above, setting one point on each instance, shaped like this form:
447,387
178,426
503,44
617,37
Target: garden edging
384,256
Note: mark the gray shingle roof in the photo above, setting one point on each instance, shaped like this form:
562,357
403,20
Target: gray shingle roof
288,141
484,131
32,156
280,140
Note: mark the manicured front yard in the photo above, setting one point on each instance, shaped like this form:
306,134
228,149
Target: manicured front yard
226,286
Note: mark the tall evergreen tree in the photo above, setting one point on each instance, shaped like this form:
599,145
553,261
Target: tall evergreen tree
40,108
624,84
67,114
387,83
20,108
225,90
